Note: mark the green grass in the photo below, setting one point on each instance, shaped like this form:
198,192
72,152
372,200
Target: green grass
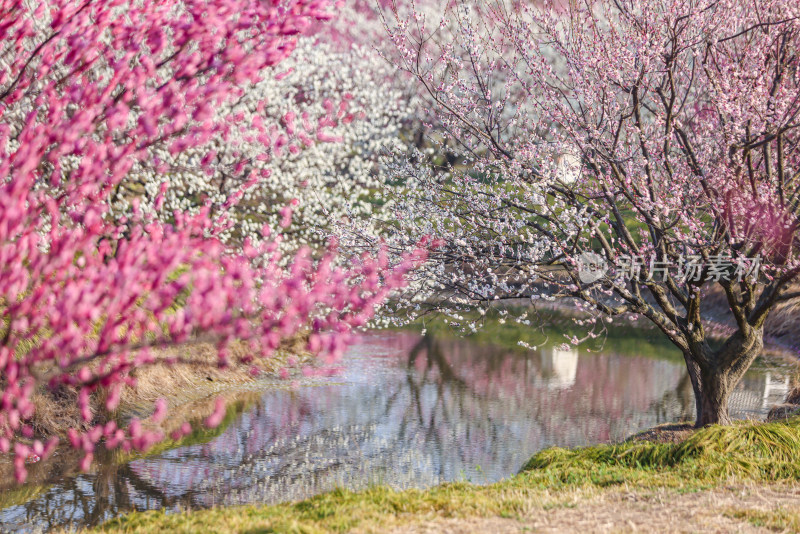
199,435
777,520
745,452
549,328
16,496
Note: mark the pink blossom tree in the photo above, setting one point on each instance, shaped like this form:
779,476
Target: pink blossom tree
630,155
92,92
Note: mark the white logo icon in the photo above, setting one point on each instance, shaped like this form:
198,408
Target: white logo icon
591,267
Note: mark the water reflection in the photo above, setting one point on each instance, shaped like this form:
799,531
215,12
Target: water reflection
408,411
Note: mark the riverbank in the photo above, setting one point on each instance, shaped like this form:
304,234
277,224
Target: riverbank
744,477
182,375
187,377
781,329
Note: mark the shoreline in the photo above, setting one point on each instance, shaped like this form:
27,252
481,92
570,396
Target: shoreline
190,389
213,387
779,340
183,375
718,475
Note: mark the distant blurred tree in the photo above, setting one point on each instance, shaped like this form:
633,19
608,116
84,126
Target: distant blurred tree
327,115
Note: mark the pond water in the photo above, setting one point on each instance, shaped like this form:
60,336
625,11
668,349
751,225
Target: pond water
406,411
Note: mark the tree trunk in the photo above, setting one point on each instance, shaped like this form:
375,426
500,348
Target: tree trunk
715,373
694,376
713,402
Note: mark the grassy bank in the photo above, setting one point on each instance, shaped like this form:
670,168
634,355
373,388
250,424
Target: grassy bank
723,471
64,463
190,386
183,375
549,327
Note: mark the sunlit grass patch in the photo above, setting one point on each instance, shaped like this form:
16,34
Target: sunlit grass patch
372,510
778,520
17,496
756,451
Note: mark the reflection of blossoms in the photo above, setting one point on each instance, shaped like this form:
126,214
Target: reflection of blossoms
398,420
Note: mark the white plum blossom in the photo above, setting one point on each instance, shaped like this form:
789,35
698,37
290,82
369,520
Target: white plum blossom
338,111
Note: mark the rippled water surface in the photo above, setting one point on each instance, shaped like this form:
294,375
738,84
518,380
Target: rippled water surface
406,410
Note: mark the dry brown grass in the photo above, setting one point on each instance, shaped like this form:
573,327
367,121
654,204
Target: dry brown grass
190,387
64,461
56,411
182,375
784,322
738,508
666,433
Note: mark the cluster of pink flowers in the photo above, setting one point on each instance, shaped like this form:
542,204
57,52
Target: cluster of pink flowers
89,92
649,128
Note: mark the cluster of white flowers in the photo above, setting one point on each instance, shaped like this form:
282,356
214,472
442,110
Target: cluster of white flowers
459,186
340,111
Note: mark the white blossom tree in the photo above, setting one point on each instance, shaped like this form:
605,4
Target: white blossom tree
333,109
